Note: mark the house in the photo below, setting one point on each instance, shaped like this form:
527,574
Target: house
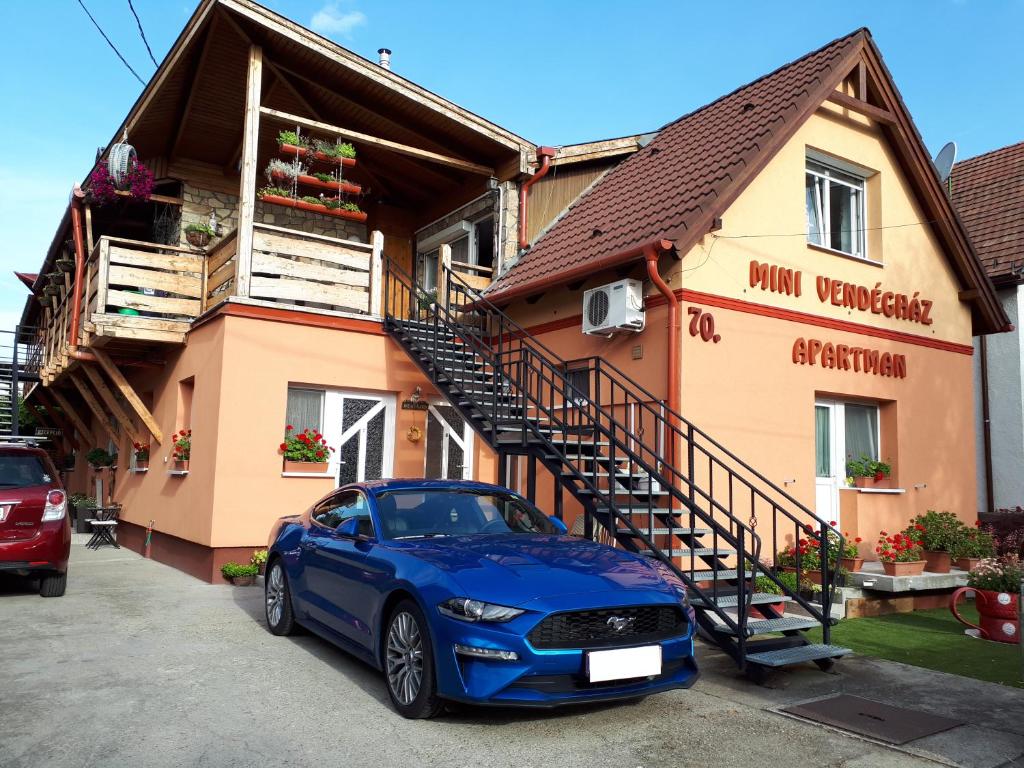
988,191
781,266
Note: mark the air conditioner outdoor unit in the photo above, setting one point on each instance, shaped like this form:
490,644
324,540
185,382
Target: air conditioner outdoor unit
618,306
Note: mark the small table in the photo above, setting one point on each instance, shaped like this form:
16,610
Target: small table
104,524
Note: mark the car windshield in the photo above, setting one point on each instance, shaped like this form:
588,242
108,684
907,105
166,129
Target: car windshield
22,470
456,512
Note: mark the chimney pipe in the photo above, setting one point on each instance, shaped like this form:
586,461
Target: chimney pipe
385,57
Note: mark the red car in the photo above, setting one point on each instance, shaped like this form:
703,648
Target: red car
35,533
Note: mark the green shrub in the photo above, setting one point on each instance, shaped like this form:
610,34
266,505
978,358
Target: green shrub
973,543
937,531
289,137
276,191
98,457
768,586
234,570
311,200
206,229
259,557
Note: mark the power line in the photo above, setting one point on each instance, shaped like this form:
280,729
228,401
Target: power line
112,46
143,35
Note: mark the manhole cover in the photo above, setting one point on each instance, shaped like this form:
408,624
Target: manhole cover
894,725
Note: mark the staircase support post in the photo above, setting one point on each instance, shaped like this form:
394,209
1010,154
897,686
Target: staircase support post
15,398
531,479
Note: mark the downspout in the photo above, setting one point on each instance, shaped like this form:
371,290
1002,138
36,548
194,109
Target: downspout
986,425
544,155
76,307
652,252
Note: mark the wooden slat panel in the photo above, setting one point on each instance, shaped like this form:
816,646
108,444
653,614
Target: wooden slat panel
300,290
292,246
161,304
276,265
221,255
116,241
216,280
353,244
173,262
184,285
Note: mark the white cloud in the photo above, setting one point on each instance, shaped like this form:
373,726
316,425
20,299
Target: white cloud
333,20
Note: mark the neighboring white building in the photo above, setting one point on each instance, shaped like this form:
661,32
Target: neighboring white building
988,192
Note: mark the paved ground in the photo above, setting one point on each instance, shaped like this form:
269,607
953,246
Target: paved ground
140,665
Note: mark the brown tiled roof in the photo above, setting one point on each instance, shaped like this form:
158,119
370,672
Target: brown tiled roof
670,186
988,192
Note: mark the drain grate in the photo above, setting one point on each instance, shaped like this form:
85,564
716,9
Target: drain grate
893,725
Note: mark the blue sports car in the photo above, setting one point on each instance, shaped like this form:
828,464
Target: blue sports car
466,592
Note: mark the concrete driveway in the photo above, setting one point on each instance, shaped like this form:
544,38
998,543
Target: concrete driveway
140,665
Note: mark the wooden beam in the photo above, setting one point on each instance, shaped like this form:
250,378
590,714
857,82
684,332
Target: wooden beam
111,402
95,407
65,406
193,75
88,231
394,146
969,294
883,116
862,81
129,394
247,190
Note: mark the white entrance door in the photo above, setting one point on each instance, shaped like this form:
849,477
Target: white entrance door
829,467
366,424
449,444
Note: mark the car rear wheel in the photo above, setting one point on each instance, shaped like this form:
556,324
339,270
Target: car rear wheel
280,617
409,663
53,584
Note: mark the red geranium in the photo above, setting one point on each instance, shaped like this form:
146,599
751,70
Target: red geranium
307,445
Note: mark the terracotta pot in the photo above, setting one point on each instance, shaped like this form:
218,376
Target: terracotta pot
937,561
999,614
308,467
870,482
291,149
139,465
333,186
243,581
852,564
754,612
812,576
912,568
180,465
302,205
967,563
197,239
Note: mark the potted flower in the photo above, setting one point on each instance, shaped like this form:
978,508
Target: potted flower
141,456
850,559
84,507
100,459
809,558
868,473
306,451
971,547
240,575
938,532
995,582
137,182
198,235
900,554
259,559
182,450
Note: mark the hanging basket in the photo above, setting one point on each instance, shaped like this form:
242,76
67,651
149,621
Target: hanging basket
121,157
66,265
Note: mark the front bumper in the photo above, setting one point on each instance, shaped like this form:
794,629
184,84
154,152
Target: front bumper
542,678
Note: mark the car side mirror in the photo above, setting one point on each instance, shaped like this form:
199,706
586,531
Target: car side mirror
559,525
349,529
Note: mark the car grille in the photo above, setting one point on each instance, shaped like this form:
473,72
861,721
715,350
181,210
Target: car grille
595,629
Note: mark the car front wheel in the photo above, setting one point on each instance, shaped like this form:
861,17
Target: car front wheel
409,663
280,617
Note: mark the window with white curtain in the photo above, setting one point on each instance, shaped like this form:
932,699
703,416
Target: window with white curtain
835,209
305,409
861,431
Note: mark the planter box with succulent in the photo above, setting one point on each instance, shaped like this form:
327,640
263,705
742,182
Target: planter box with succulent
326,206
900,554
240,575
198,235
938,532
259,559
866,472
141,456
100,459
996,585
181,450
971,547
335,153
306,451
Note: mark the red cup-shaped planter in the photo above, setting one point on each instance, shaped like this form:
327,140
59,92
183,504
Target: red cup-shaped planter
291,149
967,563
302,205
936,561
305,467
911,568
998,612
851,564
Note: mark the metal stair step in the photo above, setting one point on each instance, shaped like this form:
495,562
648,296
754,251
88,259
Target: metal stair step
764,626
664,531
719,574
786,656
731,601
699,552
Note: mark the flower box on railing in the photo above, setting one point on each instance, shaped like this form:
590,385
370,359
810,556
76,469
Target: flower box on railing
302,205
313,181
290,149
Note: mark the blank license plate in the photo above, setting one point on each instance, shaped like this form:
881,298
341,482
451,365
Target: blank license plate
624,663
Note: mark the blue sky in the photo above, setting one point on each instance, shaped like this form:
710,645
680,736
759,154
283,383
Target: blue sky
555,73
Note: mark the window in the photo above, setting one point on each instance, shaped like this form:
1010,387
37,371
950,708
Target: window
861,431
843,431
340,507
305,409
835,209
430,513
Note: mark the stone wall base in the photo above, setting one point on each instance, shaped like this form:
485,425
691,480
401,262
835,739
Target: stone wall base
196,560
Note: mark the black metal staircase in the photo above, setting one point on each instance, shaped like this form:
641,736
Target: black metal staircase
649,480
19,364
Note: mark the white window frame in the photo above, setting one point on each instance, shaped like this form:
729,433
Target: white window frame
838,432
831,172
466,228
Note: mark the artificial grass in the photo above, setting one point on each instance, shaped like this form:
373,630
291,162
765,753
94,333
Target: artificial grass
931,639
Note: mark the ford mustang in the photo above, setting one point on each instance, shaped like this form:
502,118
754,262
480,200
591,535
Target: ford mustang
463,591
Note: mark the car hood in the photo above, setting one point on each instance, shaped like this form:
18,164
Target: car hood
515,569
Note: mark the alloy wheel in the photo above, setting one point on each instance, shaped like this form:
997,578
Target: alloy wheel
405,658
275,595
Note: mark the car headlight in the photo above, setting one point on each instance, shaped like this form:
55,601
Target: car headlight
465,609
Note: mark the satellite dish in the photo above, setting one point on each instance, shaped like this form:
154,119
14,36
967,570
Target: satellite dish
944,161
